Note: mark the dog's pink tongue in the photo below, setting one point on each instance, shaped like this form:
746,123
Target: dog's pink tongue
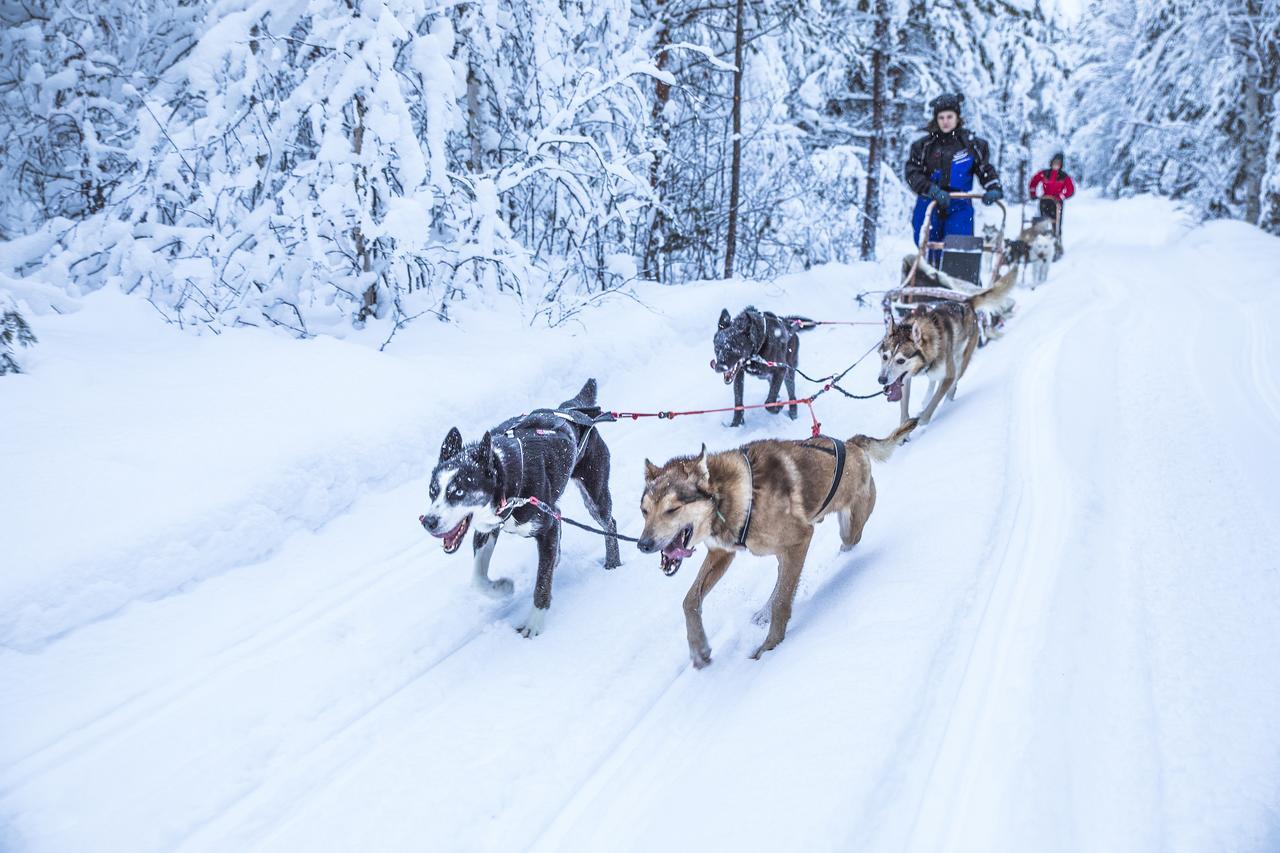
894,391
675,552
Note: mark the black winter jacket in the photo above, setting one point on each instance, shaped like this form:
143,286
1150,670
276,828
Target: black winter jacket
932,152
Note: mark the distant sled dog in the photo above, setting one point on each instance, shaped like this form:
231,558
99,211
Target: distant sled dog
936,339
534,455
1039,256
764,498
742,345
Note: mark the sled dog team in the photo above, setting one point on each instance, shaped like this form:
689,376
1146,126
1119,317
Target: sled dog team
764,497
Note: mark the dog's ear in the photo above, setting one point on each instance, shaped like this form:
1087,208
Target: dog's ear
484,453
917,335
700,466
452,445
651,471
725,319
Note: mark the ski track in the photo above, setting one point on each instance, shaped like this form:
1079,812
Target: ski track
145,705
1035,536
988,687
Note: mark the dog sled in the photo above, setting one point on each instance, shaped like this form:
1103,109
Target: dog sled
1038,216
950,268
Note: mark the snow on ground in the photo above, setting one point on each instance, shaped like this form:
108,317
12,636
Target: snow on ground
221,626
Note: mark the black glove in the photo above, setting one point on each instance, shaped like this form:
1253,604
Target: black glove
992,195
936,193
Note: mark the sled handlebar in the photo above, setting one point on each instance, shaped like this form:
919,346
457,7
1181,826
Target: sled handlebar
928,218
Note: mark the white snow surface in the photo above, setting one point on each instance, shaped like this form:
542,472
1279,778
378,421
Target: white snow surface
222,627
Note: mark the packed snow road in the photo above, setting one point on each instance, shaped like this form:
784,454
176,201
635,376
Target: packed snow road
1059,632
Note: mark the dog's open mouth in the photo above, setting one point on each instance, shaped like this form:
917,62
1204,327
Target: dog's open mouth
894,391
453,539
729,372
675,552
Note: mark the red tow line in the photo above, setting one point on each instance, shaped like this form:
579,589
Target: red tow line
809,324
807,401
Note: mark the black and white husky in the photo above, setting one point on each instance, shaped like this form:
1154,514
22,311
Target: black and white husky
744,343
534,455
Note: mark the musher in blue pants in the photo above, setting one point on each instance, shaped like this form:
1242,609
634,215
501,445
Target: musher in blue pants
946,160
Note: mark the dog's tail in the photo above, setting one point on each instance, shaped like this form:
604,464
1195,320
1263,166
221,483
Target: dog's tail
880,449
586,398
796,323
995,294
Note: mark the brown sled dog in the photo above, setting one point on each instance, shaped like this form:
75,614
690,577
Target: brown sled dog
764,497
937,339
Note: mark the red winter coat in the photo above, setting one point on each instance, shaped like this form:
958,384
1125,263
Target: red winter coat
1055,183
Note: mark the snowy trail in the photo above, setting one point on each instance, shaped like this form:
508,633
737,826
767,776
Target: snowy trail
1058,632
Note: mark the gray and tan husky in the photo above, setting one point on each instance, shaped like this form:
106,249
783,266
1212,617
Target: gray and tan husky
937,339
764,497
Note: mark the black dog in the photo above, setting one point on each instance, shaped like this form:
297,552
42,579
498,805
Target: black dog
1016,251
745,342
534,455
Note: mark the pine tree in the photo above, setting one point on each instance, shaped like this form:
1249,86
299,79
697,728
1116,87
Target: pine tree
14,332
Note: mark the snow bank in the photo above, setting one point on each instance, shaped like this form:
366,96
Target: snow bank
140,461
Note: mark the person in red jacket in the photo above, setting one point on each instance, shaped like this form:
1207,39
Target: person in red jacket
1053,187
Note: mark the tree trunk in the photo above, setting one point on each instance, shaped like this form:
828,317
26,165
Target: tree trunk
656,237
1269,220
1023,180
875,150
1269,203
735,174
369,302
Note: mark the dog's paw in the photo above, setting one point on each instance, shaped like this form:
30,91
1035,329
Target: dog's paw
501,588
737,422
792,413
701,658
533,623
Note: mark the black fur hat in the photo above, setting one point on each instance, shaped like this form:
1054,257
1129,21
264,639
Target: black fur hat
949,101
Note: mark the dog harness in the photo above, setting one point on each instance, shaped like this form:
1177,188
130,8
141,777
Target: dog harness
507,494
584,417
839,451
751,494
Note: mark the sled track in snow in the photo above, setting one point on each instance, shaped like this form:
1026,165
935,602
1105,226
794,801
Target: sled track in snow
151,703
1018,588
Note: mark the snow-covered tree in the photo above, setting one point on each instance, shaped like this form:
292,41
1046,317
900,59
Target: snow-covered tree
1188,107
66,122
315,164
312,163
